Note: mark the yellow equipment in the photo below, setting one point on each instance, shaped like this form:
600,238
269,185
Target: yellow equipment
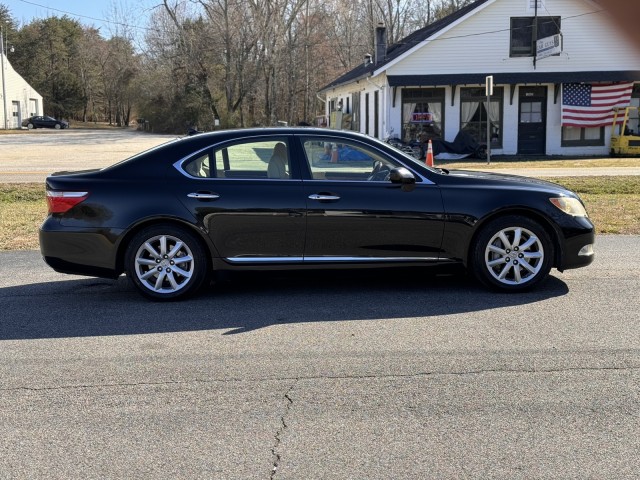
624,140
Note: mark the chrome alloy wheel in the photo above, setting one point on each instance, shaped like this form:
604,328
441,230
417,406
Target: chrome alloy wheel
514,256
164,264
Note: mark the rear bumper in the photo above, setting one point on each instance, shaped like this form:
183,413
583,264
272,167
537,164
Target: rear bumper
79,251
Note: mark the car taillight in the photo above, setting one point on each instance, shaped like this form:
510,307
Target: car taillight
60,202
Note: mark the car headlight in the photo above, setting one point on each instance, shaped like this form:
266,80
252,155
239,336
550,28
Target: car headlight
570,206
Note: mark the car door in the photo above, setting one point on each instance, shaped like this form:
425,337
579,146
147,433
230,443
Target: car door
356,214
248,196
47,122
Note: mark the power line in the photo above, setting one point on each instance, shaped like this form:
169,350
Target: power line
324,43
88,17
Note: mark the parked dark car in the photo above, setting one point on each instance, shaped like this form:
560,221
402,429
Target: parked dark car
284,198
43,121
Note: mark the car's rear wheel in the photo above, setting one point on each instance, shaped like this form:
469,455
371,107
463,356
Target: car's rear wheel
512,253
165,262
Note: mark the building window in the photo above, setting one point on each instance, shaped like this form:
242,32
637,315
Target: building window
582,137
33,107
633,124
474,114
526,30
355,119
422,113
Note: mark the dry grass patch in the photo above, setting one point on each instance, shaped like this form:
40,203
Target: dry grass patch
22,210
539,163
613,204
615,214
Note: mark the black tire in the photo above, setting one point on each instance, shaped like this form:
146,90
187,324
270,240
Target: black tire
57,127
512,253
166,263
30,126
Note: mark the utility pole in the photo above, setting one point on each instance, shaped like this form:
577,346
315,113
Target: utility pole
4,83
535,34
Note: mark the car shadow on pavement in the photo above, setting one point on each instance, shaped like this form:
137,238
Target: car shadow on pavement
249,301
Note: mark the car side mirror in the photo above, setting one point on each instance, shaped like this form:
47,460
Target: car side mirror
404,177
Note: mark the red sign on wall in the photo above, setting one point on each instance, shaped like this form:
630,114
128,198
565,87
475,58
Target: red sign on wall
425,117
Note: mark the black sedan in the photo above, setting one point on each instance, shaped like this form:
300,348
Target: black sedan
285,198
43,121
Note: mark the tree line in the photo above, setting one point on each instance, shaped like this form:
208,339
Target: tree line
207,63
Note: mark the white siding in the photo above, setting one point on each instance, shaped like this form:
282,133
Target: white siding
18,90
364,87
481,43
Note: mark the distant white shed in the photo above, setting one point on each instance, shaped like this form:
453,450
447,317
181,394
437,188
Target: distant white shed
18,99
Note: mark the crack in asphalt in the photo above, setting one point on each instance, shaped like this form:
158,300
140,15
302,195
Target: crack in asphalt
277,455
322,377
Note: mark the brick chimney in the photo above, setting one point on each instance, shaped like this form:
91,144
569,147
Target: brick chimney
381,43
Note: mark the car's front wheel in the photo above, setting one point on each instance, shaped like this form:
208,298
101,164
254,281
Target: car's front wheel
165,262
57,127
512,253
30,126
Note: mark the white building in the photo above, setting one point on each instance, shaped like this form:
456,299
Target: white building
432,83
18,100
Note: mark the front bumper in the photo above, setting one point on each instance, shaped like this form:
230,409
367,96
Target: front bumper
577,249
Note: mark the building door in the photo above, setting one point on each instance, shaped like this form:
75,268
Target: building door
33,107
15,118
532,121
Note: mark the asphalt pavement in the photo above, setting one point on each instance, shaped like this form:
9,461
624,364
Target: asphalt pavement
323,376
309,375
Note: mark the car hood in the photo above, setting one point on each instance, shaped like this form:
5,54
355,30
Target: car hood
505,180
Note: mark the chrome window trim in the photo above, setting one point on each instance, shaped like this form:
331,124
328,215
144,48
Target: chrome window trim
178,164
422,178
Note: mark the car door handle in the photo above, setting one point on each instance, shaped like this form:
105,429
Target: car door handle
204,195
321,197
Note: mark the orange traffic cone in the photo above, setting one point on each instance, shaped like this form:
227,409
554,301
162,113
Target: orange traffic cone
430,155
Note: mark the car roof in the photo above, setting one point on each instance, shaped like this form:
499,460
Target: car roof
274,131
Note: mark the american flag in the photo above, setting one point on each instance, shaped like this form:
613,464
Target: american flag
585,105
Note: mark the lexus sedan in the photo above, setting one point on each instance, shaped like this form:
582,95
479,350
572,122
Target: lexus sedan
285,198
43,121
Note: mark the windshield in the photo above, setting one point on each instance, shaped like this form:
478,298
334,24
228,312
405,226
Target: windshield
408,158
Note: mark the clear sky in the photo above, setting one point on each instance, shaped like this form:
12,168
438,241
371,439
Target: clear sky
88,12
